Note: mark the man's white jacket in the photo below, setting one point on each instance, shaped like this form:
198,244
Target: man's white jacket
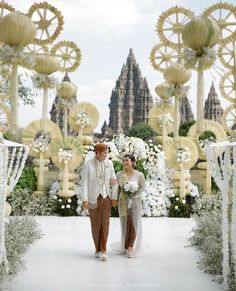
91,187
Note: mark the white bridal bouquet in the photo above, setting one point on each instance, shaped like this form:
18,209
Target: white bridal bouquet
130,187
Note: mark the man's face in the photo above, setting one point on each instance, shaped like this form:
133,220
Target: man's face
101,156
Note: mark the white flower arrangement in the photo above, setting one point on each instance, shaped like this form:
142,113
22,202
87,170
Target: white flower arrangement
43,81
206,142
15,55
130,187
205,60
65,155
183,155
178,91
165,117
83,119
40,144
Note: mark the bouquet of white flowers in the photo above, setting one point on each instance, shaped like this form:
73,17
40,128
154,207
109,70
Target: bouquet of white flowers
130,187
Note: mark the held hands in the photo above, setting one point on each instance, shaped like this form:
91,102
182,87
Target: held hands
114,203
85,204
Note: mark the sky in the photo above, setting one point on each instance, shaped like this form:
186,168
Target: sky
105,30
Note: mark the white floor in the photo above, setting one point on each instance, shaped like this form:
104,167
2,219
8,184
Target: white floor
63,259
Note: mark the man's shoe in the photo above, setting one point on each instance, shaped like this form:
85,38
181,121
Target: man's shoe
130,254
97,255
104,257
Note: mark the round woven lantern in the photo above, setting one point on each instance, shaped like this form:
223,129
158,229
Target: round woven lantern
66,90
162,90
45,64
200,32
177,74
16,29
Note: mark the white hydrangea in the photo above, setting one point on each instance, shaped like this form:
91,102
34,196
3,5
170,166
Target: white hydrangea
65,155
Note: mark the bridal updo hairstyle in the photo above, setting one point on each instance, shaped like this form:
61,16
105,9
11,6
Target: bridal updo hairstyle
100,147
131,157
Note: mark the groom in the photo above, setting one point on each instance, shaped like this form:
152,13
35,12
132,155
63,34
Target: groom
98,176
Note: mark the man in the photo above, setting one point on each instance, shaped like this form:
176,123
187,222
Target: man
98,176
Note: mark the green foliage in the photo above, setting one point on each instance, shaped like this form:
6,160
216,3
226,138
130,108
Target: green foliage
207,135
23,202
141,130
27,179
67,206
118,166
140,168
20,233
181,207
184,128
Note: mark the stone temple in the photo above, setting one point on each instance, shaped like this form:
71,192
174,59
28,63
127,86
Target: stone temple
130,100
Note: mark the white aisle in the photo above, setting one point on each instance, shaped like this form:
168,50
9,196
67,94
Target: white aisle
63,259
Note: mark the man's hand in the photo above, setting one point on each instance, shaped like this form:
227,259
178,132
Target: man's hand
112,182
114,203
85,204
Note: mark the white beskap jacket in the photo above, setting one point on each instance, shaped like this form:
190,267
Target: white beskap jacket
91,188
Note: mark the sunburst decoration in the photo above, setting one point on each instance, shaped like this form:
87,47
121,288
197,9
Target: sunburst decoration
68,54
225,16
181,151
66,149
83,117
170,25
49,22
38,136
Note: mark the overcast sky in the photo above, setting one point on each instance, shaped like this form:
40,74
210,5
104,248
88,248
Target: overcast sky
105,30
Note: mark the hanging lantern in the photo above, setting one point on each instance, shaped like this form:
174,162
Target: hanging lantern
45,64
162,90
200,32
16,29
177,74
66,90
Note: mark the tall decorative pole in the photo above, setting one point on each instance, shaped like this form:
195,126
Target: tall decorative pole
16,31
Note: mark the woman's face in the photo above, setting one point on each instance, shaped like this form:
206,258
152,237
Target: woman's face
127,163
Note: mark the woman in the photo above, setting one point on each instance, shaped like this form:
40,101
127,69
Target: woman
130,184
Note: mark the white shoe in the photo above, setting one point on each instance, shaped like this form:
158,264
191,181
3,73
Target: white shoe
104,257
97,255
129,254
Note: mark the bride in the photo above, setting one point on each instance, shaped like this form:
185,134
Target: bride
130,185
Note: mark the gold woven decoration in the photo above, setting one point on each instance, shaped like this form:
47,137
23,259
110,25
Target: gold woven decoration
225,16
207,125
68,55
67,143
4,118
46,65
155,118
229,119
177,74
228,87
87,140
16,29
162,90
200,32
66,90
49,22
172,148
170,25
36,49
5,9
90,112
226,55
35,129
162,56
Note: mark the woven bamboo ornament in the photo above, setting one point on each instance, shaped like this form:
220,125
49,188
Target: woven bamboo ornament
155,118
200,32
16,29
66,90
177,74
162,90
46,64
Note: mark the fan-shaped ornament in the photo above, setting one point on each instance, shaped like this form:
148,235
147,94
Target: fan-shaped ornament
182,151
39,136
83,117
229,119
227,56
159,114
48,20
228,87
66,150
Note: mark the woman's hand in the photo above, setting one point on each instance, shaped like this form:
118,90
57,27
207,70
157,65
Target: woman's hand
85,204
